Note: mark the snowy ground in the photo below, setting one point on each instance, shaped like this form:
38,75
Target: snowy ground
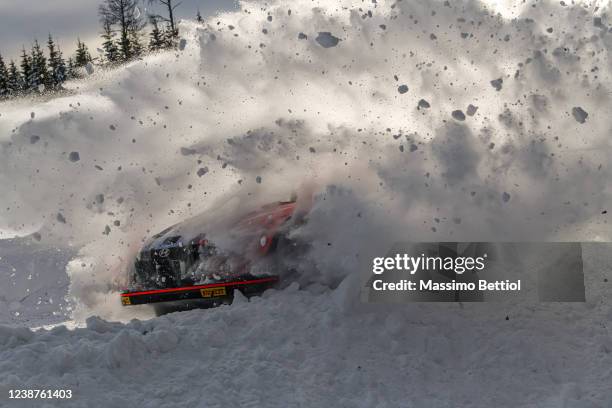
33,283
436,121
296,348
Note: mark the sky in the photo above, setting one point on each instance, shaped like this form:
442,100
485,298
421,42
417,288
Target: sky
21,21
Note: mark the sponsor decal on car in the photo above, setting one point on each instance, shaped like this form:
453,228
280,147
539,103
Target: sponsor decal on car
213,292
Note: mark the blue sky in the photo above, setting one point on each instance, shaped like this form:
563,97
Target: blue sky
23,20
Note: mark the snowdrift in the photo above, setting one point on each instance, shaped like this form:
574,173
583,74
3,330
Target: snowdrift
299,348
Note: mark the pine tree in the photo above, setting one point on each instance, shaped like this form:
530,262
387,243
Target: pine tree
125,15
199,17
170,37
14,79
82,56
111,52
52,62
135,35
39,71
62,72
170,7
57,66
33,79
156,36
26,71
71,71
4,87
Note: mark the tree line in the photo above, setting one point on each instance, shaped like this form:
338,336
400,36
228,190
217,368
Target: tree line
124,34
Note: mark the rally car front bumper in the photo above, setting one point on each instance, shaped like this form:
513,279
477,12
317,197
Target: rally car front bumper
218,291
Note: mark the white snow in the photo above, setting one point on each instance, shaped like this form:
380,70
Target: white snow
298,348
33,283
269,113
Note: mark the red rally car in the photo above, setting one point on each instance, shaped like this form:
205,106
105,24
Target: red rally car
181,267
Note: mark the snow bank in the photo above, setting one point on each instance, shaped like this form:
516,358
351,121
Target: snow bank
301,348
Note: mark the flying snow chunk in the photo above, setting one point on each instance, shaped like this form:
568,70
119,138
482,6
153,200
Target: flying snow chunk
506,197
185,151
202,171
89,68
182,44
471,110
402,89
579,114
423,104
302,36
327,40
497,84
458,115
74,157
239,298
60,218
136,12
597,22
